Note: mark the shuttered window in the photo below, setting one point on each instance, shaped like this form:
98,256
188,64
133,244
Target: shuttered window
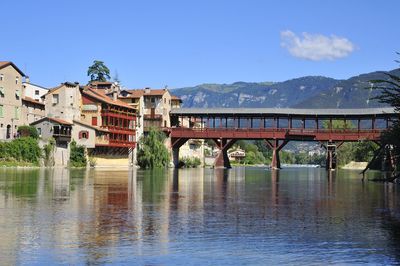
16,112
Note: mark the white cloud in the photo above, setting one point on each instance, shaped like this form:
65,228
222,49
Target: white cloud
316,46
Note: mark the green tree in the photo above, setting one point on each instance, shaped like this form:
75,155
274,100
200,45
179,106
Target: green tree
356,151
152,152
390,94
98,71
28,131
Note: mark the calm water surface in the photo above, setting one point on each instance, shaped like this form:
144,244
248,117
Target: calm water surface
197,217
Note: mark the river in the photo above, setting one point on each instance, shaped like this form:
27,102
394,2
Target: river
296,216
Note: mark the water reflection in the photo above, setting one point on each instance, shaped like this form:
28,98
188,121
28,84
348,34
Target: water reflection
251,215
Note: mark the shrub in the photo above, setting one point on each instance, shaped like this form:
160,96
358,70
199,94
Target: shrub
190,162
25,149
48,149
77,156
28,131
92,161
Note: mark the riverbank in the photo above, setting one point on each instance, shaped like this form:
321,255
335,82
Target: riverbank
355,165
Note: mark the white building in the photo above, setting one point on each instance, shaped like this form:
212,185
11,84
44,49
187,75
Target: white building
33,91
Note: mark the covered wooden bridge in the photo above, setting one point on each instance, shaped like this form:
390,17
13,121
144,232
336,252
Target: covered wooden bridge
277,126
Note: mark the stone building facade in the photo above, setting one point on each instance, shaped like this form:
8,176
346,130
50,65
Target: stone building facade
10,100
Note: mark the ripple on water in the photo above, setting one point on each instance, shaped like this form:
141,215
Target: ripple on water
196,217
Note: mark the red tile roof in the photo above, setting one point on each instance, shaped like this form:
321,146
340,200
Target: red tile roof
137,93
155,92
29,99
99,95
52,119
101,83
176,98
4,64
60,121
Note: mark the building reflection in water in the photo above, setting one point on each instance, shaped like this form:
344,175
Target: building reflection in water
98,215
60,183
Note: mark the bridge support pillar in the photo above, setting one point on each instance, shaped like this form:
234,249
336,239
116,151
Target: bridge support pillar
222,159
176,143
331,155
275,146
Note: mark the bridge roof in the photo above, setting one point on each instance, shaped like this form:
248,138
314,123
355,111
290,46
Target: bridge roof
386,111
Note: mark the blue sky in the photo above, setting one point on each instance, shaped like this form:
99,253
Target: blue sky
185,43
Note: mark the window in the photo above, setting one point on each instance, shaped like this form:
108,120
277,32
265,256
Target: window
36,92
1,77
83,134
1,111
16,80
153,100
1,92
94,120
165,101
39,130
16,112
55,99
17,94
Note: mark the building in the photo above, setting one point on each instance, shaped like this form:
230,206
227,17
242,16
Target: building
32,110
56,128
135,100
59,130
237,155
63,101
33,91
99,121
10,99
157,104
115,123
176,102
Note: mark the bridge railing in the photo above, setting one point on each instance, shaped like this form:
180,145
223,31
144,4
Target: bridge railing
287,130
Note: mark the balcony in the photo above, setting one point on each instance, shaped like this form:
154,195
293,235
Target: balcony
62,133
119,114
119,130
121,144
62,138
152,117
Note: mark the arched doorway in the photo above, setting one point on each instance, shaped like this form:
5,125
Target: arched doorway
8,133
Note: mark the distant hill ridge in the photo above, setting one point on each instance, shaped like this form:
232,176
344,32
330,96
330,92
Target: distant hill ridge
303,92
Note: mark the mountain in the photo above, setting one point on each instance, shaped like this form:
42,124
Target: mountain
304,92
355,92
247,94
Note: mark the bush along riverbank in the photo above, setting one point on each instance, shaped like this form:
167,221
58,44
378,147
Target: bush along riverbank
23,151
77,156
189,162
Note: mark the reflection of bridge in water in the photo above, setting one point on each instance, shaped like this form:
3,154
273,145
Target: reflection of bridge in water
277,127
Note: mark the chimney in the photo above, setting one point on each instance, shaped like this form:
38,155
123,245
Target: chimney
147,90
115,91
27,80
